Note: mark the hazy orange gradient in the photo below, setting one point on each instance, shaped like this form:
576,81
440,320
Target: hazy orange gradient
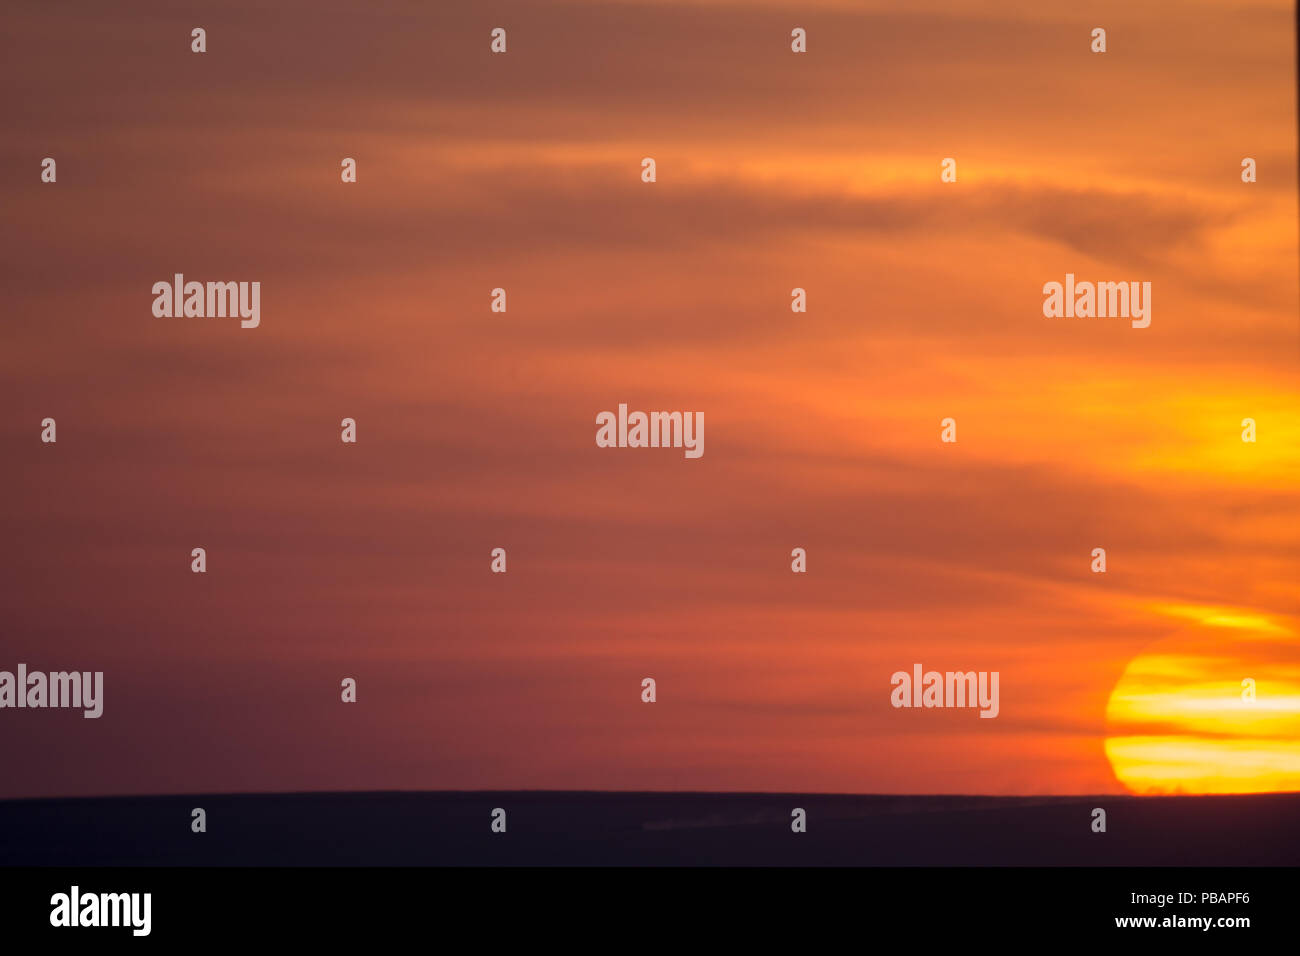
476,430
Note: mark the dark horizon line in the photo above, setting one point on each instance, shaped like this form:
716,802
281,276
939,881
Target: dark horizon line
655,793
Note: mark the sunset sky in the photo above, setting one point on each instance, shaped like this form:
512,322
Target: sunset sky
476,429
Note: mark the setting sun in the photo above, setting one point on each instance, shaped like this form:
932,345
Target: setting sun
1189,715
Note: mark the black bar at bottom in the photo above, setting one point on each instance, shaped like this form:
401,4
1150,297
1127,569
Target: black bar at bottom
669,906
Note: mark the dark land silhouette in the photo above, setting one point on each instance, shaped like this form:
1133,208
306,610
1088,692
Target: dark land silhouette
555,828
